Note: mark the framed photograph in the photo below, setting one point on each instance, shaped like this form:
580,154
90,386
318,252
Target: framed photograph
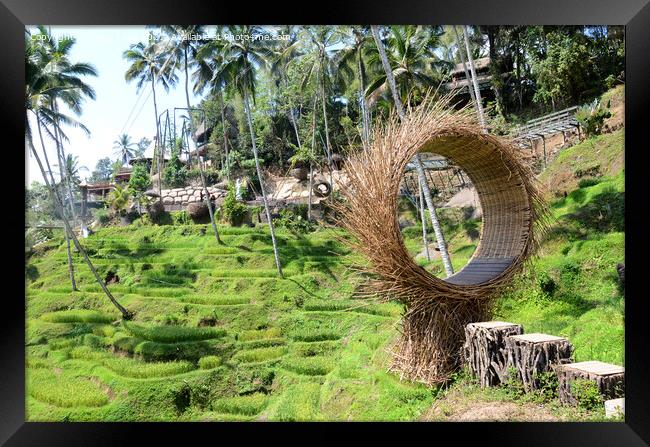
369,212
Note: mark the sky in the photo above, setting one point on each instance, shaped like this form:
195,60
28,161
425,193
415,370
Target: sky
108,115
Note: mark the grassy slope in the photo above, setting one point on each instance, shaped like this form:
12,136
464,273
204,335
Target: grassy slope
572,289
287,349
279,350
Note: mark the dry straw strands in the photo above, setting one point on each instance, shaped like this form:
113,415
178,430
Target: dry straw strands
513,222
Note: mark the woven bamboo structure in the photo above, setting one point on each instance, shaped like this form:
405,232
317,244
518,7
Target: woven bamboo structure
437,310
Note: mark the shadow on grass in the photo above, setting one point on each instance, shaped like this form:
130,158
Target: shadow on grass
31,272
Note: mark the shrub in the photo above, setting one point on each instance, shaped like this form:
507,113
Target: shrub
587,394
118,199
547,385
139,180
209,362
546,283
180,218
175,174
211,175
592,117
233,210
295,220
103,216
586,182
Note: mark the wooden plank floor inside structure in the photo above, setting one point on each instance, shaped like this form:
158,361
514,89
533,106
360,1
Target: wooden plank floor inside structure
480,270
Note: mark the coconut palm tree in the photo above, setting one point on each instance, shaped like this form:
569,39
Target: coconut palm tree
390,80
240,60
321,38
285,52
414,65
42,87
51,56
72,92
151,65
72,169
477,90
125,149
183,50
208,59
351,59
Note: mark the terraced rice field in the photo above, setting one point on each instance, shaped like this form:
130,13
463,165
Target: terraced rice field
217,336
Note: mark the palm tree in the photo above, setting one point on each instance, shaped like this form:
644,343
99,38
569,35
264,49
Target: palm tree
353,55
125,148
284,53
477,90
241,59
181,48
42,87
321,68
410,51
72,169
63,78
150,64
444,254
468,76
208,59
72,91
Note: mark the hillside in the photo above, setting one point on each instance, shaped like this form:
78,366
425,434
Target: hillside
217,336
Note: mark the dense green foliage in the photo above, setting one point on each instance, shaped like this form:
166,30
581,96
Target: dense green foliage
139,181
175,173
233,210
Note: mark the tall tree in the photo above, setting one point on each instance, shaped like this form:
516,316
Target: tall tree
241,59
472,69
151,65
61,79
41,88
418,164
412,60
124,148
349,59
321,38
184,50
208,59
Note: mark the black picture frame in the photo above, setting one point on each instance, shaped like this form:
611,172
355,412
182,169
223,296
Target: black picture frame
634,14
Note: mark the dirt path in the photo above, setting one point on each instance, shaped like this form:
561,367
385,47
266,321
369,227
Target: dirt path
457,407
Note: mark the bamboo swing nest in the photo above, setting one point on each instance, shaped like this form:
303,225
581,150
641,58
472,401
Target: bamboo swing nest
514,217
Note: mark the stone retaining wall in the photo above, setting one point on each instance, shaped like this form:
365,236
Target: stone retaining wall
188,194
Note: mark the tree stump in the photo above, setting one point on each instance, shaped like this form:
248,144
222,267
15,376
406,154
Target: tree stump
610,379
484,350
533,354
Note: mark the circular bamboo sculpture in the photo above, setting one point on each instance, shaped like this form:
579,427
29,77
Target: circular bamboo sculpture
437,310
